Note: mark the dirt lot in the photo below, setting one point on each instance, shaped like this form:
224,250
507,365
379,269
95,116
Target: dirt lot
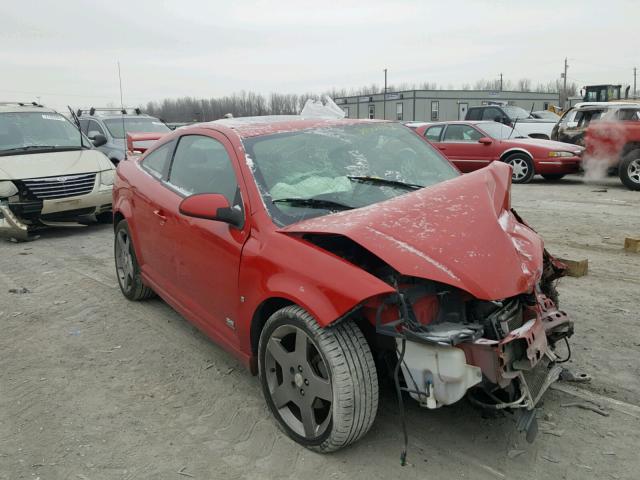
95,387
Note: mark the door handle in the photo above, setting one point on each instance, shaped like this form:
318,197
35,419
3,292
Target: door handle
158,213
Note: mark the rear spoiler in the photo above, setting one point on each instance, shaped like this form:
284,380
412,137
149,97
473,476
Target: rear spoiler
132,138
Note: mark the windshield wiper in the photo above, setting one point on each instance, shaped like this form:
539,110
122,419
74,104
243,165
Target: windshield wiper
27,148
385,181
314,203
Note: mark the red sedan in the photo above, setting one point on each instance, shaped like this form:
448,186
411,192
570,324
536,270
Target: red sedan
319,251
473,145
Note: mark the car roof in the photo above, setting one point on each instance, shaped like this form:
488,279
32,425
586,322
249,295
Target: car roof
605,105
269,124
111,116
461,122
14,107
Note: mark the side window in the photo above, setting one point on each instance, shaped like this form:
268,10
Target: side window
473,114
491,114
94,129
433,133
84,124
157,162
202,165
461,133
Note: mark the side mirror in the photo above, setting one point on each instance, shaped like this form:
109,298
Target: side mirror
485,141
98,140
212,206
572,124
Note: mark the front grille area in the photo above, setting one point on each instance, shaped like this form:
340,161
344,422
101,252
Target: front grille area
60,187
538,379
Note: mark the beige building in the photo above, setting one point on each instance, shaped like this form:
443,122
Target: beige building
437,105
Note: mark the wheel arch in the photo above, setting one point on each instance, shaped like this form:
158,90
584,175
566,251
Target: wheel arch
629,147
507,153
260,316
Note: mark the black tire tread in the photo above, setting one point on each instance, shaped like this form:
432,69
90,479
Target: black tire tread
624,165
353,373
140,291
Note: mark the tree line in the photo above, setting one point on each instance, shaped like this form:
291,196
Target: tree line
243,104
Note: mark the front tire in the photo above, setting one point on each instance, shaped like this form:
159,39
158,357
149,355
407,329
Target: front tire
320,383
127,268
629,170
522,170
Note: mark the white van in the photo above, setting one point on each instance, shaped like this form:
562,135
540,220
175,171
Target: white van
50,173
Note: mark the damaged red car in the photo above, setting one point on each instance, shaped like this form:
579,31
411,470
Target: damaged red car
328,253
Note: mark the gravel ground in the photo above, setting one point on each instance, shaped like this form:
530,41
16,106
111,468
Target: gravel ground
95,387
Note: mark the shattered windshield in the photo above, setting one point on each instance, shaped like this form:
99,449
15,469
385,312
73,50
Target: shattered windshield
314,172
33,132
134,125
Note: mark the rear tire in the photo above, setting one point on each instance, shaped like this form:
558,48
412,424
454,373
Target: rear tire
321,384
521,166
127,268
629,170
553,177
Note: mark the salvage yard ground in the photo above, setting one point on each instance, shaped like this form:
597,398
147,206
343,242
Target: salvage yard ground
95,387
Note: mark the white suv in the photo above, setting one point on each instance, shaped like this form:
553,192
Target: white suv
50,173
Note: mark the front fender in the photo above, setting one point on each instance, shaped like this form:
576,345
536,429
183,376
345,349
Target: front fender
290,268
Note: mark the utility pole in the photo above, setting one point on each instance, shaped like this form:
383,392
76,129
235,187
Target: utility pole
500,82
384,102
635,92
564,88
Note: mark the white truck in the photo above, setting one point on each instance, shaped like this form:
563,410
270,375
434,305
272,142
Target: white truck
514,117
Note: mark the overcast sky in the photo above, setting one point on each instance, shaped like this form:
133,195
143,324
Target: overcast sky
66,51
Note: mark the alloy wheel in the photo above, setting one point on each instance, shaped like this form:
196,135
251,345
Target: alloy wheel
633,170
124,260
298,381
520,168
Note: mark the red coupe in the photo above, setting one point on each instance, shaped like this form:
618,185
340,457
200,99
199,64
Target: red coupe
473,145
324,253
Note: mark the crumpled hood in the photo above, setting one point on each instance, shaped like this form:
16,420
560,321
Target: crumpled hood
34,165
459,232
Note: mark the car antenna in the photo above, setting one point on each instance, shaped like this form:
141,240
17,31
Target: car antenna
124,132
77,122
515,122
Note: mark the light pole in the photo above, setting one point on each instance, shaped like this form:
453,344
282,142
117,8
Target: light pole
384,101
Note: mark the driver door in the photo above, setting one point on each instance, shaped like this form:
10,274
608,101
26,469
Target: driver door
460,145
206,253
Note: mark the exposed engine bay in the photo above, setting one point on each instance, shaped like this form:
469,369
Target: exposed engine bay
448,344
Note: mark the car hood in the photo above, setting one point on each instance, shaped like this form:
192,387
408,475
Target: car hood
536,120
541,143
34,165
460,232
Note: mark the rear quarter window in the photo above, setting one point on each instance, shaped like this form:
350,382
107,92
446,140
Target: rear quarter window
157,162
